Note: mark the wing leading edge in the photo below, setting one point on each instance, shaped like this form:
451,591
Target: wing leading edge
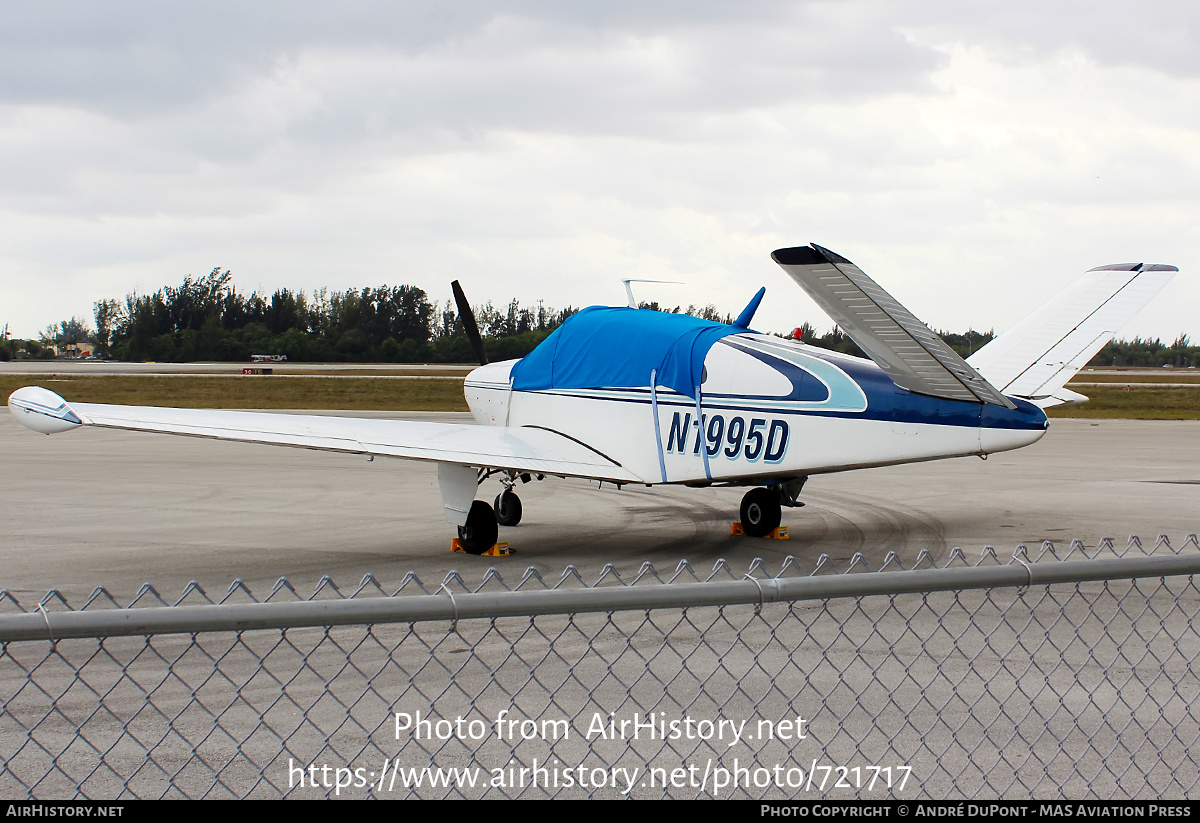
908,352
519,449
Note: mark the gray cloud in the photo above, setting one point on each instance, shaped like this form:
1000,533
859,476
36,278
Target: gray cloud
138,56
549,146
604,66
1160,35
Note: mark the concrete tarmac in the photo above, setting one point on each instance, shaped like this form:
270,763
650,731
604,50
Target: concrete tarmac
96,507
881,681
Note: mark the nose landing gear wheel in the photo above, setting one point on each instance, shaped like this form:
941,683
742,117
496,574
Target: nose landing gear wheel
508,508
480,533
761,512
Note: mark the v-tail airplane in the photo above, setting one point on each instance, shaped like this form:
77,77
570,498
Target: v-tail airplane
625,395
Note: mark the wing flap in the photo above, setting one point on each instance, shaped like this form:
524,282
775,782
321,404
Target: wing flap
905,348
520,449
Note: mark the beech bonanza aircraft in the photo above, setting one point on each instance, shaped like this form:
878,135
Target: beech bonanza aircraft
627,395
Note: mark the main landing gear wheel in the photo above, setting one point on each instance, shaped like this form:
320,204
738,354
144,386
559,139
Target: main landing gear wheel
761,512
480,533
508,508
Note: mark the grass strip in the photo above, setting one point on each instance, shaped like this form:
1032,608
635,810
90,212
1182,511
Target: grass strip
1135,403
368,394
251,392
1189,376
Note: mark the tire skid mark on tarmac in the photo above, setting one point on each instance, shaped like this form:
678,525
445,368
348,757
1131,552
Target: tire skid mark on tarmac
831,523
840,525
702,529
698,530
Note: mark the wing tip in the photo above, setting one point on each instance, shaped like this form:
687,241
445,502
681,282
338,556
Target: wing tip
1135,267
806,256
42,410
797,256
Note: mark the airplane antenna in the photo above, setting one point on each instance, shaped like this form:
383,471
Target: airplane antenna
629,290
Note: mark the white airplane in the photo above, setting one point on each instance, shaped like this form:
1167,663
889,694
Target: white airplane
626,395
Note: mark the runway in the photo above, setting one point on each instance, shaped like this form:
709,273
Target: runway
96,507
914,680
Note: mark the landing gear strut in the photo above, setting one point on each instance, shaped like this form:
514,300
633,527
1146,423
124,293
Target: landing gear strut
480,532
761,512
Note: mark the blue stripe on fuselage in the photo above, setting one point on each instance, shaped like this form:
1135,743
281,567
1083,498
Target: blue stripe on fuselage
885,401
903,407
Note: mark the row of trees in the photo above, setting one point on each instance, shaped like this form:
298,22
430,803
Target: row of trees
206,318
66,335
1138,352
1135,353
835,339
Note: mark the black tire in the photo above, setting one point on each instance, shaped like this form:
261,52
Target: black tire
761,512
508,508
480,533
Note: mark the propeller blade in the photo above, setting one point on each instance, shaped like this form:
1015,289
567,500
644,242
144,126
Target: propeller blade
469,325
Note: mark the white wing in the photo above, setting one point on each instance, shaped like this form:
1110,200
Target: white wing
1037,356
521,449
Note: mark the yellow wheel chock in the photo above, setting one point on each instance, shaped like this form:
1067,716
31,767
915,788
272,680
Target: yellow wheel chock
498,550
780,533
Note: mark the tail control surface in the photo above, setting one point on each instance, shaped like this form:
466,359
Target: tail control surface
1035,358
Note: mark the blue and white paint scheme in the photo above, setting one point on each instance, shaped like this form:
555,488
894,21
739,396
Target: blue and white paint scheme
43,411
763,409
629,395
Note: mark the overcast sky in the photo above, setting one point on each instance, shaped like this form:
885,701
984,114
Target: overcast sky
973,157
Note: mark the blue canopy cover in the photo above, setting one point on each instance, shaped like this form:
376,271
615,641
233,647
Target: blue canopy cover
606,347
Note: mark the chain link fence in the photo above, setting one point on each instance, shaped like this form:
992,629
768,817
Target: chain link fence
969,678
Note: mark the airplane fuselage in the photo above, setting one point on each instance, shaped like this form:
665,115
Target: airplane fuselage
767,408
